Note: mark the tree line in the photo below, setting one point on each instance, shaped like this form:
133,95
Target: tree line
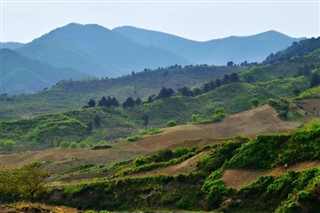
165,93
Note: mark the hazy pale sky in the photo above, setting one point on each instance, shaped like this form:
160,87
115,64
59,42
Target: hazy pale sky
25,20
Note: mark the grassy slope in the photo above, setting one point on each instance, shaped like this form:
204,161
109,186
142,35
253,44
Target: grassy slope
292,190
111,123
68,95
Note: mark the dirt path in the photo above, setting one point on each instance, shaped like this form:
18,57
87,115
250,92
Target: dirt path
238,178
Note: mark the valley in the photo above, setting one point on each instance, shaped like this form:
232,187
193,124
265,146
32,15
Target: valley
235,138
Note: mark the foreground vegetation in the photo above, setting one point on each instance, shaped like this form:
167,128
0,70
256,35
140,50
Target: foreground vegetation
203,189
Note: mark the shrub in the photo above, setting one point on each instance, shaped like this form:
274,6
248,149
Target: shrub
64,144
82,144
171,123
133,138
8,144
195,118
254,102
73,145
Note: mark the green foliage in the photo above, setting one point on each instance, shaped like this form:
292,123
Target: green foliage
162,158
73,145
282,107
310,93
24,183
259,153
69,95
163,192
195,118
64,144
254,102
171,123
133,138
150,132
313,124
82,144
217,157
79,168
215,189
7,144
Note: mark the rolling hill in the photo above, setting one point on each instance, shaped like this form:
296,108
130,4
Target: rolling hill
20,74
67,95
264,157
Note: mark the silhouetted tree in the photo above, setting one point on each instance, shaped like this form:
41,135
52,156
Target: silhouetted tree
314,80
197,91
151,98
165,93
91,103
218,82
206,88
128,103
226,79
296,92
230,63
138,101
114,102
186,91
234,77
103,101
145,119
249,79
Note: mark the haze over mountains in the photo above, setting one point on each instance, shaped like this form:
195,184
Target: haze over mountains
93,50
20,74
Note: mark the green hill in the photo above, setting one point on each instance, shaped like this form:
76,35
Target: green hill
294,189
23,75
67,95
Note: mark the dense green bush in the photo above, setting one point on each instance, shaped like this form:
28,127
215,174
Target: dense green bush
217,157
259,153
171,123
24,183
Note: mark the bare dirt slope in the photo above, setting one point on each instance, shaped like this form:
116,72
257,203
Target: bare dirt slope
238,178
263,119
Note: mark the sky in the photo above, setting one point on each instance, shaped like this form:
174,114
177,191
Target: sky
23,20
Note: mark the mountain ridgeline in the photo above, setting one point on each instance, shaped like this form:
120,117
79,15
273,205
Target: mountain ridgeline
99,51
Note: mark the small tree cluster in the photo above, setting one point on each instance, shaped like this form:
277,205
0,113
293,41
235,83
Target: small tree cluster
130,102
227,79
165,93
108,102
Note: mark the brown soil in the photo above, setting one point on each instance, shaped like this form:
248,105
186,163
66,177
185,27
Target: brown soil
185,167
35,208
249,123
238,178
